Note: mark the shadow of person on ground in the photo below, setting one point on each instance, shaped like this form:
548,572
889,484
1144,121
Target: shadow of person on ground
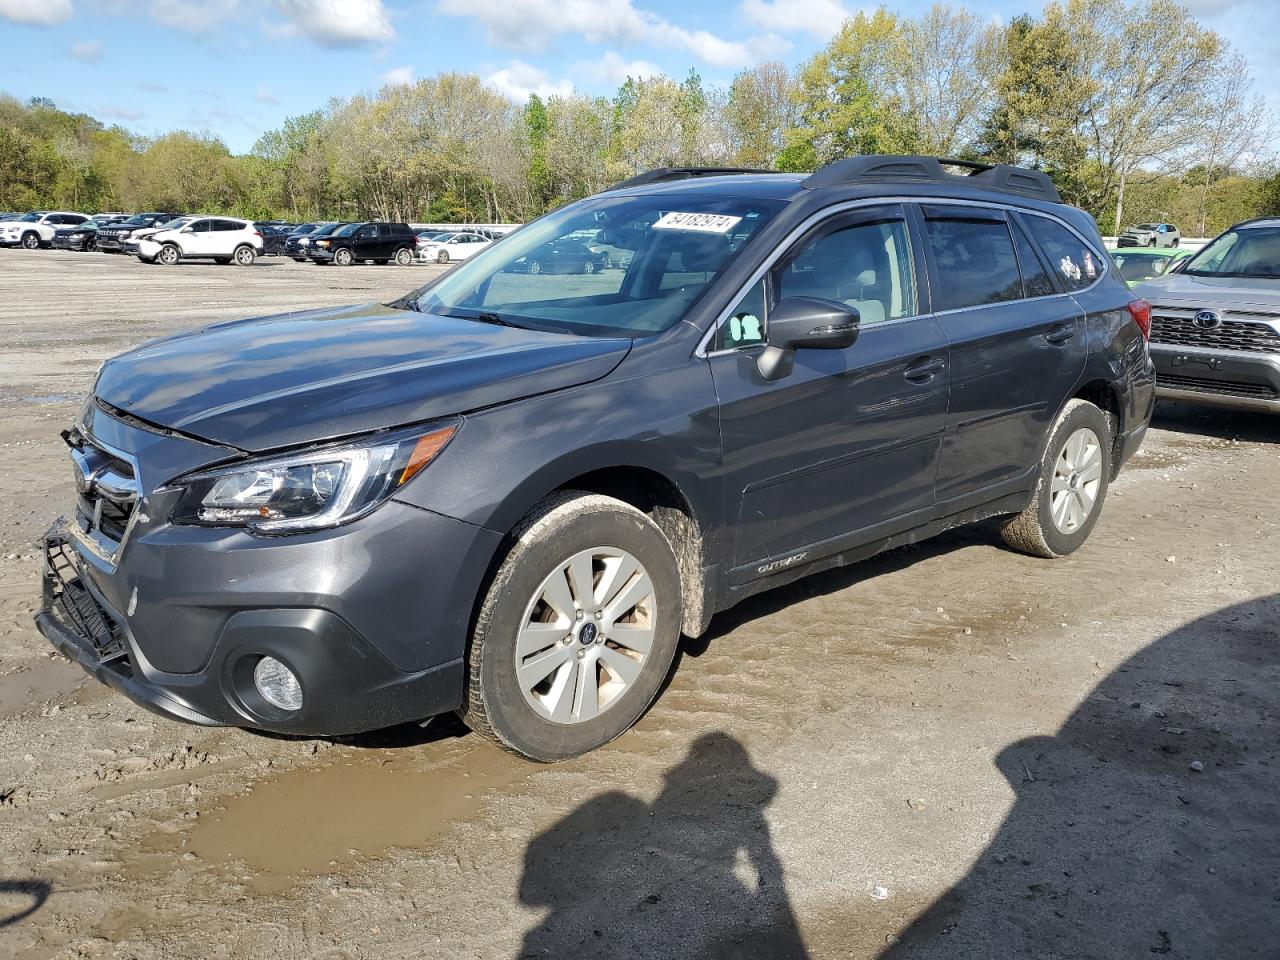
692,875
1118,845
35,892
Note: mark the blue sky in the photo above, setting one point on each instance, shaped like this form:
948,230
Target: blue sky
236,68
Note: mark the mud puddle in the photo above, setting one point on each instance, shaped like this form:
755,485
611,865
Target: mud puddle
44,680
313,820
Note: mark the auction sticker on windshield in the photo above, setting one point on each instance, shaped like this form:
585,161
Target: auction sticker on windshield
701,222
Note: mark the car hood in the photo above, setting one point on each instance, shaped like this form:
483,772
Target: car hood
1212,293
322,374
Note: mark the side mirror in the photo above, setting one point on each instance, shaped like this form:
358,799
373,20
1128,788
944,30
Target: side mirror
805,322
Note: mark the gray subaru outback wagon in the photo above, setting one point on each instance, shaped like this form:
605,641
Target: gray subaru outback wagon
508,493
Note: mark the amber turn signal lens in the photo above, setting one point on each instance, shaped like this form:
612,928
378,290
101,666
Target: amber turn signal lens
425,450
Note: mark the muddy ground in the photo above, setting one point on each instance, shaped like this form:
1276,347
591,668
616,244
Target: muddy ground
950,751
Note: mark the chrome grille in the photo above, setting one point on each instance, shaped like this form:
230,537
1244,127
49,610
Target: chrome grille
106,492
1241,335
1258,391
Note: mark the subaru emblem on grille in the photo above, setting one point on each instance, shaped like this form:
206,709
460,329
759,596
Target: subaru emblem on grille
1207,320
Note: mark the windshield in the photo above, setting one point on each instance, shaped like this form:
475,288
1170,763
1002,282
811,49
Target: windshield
545,277
138,219
1145,226
347,230
1254,252
30,217
177,224
1138,267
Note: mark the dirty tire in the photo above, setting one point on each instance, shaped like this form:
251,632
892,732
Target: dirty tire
1033,531
556,529
245,255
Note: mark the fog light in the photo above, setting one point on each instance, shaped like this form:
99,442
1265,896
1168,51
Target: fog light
277,684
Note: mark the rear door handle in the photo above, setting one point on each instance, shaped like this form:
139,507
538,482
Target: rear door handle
1060,335
924,369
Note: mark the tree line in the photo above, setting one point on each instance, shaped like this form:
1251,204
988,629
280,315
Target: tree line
1136,110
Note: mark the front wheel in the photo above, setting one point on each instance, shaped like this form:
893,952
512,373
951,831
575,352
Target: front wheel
1074,475
442,256
30,240
342,257
169,255
577,630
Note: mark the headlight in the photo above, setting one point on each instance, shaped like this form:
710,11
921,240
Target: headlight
307,491
322,243
304,241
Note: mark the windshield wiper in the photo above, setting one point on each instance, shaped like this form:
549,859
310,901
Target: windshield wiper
485,316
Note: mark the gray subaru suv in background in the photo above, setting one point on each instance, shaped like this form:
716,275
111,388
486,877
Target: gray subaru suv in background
508,494
1215,327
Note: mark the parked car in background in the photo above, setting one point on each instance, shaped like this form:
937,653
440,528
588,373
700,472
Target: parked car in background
221,239
455,246
296,244
9,215
562,256
1137,265
1150,235
1215,327
81,237
36,228
376,241
274,237
508,496
112,238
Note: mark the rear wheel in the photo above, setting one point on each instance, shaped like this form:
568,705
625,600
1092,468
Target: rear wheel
342,257
245,255
403,257
1075,472
169,255
577,630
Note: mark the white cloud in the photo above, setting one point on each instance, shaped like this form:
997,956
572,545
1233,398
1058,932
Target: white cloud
822,18
90,51
533,24
336,23
191,16
264,95
38,13
518,80
612,69
397,77
120,113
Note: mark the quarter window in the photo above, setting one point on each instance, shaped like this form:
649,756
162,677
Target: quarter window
1075,262
975,262
745,326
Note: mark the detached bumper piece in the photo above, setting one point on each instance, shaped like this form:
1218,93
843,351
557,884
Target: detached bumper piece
82,630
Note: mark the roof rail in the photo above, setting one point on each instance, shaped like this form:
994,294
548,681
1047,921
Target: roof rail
663,174
877,169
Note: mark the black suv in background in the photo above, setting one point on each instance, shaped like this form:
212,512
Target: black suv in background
111,239
298,242
508,494
375,242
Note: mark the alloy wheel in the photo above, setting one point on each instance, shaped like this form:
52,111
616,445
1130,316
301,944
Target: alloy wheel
1077,479
586,635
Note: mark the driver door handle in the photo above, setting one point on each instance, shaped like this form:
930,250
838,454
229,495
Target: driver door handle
924,369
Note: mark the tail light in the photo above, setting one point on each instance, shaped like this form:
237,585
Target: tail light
1140,310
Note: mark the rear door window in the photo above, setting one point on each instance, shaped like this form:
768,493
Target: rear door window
1076,264
974,260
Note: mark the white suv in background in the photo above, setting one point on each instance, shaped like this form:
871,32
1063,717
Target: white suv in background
36,229
221,239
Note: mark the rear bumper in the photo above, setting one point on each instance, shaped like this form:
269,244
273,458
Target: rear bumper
1232,378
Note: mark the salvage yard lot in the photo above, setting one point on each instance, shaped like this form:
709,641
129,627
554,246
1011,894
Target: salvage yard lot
951,750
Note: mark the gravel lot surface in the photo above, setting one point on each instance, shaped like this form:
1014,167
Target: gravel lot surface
951,750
